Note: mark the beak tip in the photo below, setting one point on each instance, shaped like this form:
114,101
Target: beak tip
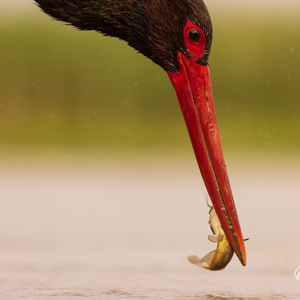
242,258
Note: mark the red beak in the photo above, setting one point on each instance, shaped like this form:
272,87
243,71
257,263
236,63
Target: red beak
193,87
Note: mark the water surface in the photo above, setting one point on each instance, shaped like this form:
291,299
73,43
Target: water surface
121,227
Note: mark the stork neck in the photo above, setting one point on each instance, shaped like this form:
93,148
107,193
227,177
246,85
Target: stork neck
114,18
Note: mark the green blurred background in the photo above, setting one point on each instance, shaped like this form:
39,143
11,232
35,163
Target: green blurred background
60,87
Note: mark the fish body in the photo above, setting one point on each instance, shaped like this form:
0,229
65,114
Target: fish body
217,259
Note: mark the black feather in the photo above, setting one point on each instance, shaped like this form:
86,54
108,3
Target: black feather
153,27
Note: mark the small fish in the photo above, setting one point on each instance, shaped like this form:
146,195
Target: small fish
217,259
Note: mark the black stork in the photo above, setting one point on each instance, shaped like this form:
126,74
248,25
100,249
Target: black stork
177,35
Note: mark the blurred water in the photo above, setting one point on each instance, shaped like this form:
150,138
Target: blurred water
121,227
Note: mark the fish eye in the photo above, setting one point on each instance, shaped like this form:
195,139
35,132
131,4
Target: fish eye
194,35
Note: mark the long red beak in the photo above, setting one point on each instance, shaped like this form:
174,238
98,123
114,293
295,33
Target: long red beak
193,87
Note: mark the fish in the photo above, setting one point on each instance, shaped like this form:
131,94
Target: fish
217,259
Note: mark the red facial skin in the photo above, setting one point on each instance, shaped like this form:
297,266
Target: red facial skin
193,87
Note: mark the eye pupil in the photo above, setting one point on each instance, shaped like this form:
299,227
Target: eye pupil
194,35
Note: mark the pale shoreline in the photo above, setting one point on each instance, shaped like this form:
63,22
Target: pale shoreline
126,222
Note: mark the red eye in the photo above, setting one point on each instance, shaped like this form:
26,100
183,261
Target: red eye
194,38
194,35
